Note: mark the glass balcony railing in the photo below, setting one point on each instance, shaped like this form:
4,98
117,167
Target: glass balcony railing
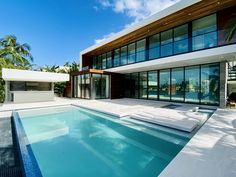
175,47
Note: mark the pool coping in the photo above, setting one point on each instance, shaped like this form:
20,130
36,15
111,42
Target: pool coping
28,161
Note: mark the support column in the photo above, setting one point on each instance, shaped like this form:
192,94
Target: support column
6,91
223,84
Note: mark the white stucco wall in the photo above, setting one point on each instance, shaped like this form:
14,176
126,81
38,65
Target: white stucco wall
32,96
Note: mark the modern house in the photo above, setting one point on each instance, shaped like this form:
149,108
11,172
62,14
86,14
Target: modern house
30,86
179,54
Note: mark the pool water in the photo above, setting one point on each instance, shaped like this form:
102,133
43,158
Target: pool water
74,142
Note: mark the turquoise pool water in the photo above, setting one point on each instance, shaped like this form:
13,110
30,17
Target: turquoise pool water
74,142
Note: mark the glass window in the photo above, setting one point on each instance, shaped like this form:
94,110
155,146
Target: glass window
177,84
109,60
164,87
166,43
96,86
205,41
123,55
99,62
181,39
127,85
134,85
131,53
105,86
152,84
94,62
116,57
87,86
104,61
17,86
154,46
79,87
143,85
204,32
192,83
141,50
210,84
204,25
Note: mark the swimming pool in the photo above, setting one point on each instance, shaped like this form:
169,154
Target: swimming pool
71,141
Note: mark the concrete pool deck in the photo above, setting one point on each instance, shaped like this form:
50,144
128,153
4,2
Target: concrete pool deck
211,151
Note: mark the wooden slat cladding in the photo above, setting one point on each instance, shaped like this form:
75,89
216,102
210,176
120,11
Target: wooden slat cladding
88,71
190,13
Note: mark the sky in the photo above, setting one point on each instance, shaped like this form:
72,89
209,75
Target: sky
57,30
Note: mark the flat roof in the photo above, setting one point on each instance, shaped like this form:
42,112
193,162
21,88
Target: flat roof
33,76
157,16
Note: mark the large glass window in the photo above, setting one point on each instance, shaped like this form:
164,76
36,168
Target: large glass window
87,86
99,65
152,85
192,83
210,84
154,46
181,39
117,57
128,86
79,87
141,50
96,86
95,62
167,43
123,55
131,53
109,60
177,84
204,32
143,85
164,86
134,81
105,86
104,61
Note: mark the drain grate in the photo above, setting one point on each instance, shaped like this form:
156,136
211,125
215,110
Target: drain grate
10,172
171,106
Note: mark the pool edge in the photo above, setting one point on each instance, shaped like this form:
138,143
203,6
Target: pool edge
27,159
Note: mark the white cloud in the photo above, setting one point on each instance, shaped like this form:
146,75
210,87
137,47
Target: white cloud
135,9
103,38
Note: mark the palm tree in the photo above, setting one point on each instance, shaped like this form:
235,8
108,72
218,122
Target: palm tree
47,68
71,67
14,53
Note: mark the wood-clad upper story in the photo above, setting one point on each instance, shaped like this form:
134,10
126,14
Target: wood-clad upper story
200,9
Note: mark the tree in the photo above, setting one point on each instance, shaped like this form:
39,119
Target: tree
60,87
14,53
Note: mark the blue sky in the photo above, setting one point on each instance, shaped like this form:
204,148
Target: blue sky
57,30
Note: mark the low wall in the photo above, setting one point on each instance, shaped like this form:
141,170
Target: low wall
32,96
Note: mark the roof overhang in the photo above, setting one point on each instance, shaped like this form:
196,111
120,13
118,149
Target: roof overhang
159,15
180,13
33,76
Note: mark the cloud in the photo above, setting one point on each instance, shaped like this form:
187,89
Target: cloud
137,10
96,41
